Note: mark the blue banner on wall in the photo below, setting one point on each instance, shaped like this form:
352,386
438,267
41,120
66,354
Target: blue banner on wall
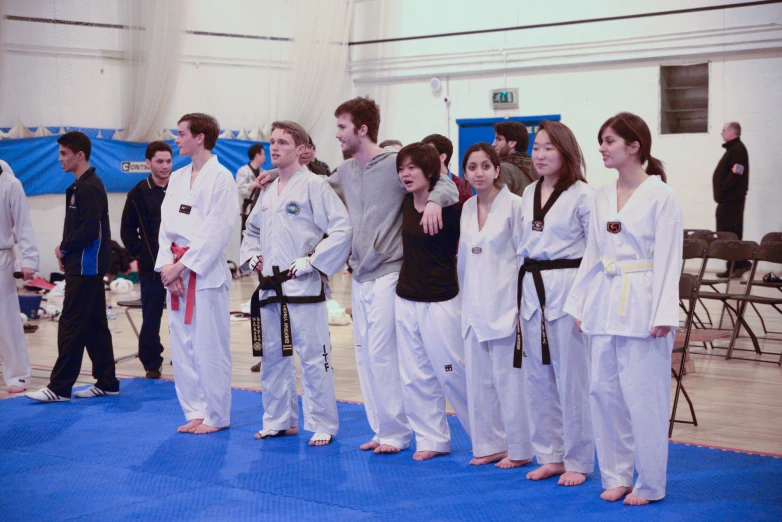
34,162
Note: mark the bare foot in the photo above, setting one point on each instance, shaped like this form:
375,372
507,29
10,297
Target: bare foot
632,500
204,429
426,455
289,431
508,463
614,494
572,478
488,459
15,389
321,439
546,471
372,444
190,426
386,448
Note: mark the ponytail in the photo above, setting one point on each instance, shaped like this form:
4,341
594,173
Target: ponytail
655,167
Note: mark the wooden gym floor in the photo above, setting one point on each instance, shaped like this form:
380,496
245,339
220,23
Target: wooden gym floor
738,403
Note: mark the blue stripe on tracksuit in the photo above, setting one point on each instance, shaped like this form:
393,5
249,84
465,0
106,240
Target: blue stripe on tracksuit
89,256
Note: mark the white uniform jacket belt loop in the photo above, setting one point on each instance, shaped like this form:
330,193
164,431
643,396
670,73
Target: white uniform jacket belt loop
613,268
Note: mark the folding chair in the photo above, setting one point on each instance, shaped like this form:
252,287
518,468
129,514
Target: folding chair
771,237
128,306
732,251
767,253
695,249
709,237
688,292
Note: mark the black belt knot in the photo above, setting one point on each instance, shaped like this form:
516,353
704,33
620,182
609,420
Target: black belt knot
274,283
535,267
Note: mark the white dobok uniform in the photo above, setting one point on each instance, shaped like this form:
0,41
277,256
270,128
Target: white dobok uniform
557,393
15,229
282,228
488,265
244,178
628,283
201,218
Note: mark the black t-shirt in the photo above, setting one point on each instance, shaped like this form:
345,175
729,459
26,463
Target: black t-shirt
428,272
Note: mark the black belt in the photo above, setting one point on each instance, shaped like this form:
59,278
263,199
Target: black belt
535,267
274,283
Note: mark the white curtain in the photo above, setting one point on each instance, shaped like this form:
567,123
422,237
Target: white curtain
153,52
318,56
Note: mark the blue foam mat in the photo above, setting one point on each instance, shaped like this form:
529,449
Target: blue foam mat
120,458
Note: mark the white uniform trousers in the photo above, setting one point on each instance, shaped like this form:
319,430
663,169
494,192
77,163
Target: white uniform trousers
630,395
496,399
201,353
13,347
431,364
377,362
310,336
558,394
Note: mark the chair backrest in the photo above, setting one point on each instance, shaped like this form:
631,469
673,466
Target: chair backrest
772,237
732,250
710,237
688,287
769,252
694,249
689,232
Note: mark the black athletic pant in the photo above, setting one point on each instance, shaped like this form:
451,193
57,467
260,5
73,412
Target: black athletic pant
153,300
730,218
82,325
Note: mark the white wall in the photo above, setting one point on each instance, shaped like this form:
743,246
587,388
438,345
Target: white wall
586,73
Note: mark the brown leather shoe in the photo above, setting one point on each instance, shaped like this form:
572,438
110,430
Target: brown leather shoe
255,368
154,374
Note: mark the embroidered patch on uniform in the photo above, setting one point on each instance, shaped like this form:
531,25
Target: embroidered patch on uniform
185,209
326,364
73,199
477,250
614,227
293,208
448,368
537,226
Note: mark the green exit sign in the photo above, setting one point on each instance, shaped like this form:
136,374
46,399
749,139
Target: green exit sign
505,98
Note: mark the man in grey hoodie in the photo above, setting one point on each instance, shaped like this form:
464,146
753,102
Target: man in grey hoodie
369,185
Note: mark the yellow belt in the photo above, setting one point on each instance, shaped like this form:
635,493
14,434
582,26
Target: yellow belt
615,268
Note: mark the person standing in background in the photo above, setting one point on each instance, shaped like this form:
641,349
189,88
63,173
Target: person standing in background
85,256
511,140
139,233
16,228
731,183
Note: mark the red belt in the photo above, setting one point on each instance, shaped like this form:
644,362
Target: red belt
179,252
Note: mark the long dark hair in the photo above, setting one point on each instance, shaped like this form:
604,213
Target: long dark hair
573,164
632,128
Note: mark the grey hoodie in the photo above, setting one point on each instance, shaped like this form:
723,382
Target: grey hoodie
374,200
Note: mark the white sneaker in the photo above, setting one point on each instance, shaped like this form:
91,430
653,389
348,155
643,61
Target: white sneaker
93,391
45,395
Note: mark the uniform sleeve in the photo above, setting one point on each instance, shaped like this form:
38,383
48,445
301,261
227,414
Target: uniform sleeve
461,252
244,178
731,182
444,194
23,227
129,228
584,210
667,265
251,238
216,228
92,205
517,230
164,254
331,215
575,301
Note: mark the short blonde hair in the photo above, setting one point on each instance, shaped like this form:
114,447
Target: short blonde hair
300,136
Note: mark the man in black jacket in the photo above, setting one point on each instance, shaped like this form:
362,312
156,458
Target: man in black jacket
139,232
731,182
84,254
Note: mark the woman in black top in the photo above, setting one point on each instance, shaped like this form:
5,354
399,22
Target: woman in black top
428,319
